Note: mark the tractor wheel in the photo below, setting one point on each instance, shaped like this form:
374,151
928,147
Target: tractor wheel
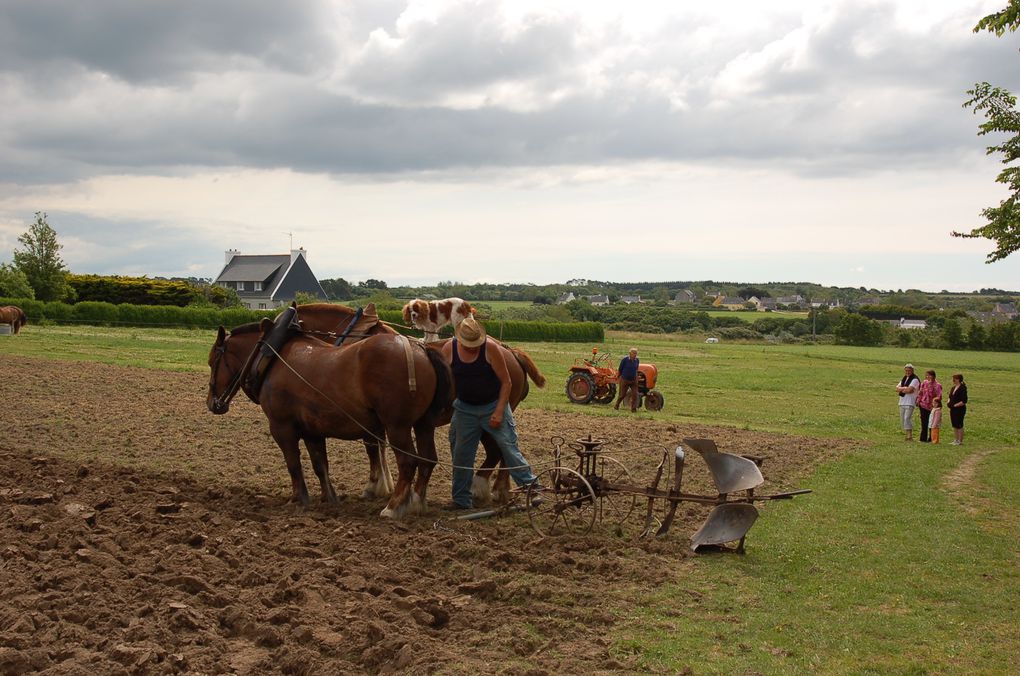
605,394
653,400
580,387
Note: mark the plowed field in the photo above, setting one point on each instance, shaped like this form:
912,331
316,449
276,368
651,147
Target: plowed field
141,534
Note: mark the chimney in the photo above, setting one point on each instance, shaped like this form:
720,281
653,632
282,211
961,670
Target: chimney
230,253
294,253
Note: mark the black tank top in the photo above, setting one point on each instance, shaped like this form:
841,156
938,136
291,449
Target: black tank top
475,381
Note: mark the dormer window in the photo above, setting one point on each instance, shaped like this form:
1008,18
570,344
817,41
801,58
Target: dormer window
258,286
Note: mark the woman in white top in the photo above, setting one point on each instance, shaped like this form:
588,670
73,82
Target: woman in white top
907,390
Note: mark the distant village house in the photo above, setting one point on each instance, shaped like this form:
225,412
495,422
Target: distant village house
264,282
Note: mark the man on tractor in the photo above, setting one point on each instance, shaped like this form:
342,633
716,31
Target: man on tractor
628,379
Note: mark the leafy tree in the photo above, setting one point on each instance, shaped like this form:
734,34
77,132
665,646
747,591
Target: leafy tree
952,334
372,284
337,289
749,291
41,262
857,329
1001,116
303,298
14,283
976,337
1003,336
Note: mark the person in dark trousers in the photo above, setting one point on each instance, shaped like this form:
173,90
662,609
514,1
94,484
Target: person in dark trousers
628,379
929,390
957,407
482,382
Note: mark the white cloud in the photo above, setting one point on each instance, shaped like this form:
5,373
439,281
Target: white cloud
377,130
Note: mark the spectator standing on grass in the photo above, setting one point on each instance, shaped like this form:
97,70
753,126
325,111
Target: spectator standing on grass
907,391
930,388
957,407
628,379
935,422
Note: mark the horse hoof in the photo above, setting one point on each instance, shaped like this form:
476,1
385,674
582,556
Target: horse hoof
480,492
396,514
417,505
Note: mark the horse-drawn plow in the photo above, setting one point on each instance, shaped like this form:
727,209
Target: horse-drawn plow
571,498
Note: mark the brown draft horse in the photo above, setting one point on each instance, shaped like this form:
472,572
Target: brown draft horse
328,320
315,391
13,315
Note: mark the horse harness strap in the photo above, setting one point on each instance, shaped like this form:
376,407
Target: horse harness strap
266,351
354,320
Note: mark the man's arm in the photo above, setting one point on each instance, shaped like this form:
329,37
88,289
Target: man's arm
447,352
494,355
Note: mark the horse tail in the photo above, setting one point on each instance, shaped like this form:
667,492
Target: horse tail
442,398
529,366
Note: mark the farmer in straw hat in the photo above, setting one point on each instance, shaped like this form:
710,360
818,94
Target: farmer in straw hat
483,392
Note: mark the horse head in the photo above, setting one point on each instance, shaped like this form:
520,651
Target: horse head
227,360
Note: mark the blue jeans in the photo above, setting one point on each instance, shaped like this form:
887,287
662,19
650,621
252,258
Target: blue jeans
466,427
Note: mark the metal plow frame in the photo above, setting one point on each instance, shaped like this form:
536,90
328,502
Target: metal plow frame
571,500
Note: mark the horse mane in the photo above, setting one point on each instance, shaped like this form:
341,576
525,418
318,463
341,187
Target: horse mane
251,327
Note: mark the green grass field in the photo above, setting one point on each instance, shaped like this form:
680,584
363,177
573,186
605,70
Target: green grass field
888,567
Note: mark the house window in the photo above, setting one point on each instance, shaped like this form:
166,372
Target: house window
262,306
241,285
258,286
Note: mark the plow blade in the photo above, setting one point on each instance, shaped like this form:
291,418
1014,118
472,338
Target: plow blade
726,523
729,472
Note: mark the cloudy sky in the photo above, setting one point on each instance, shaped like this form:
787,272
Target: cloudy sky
416,141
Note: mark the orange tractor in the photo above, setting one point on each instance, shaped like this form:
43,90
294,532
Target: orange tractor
594,379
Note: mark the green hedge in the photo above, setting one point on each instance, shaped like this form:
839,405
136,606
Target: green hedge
134,290
125,314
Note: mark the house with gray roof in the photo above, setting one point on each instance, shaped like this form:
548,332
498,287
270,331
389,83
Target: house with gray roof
1007,310
685,296
264,282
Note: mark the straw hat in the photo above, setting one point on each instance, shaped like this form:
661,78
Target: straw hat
470,333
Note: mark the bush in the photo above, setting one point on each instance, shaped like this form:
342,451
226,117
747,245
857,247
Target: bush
739,333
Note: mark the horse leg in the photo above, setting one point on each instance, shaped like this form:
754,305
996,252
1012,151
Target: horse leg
403,448
500,492
320,463
425,436
380,483
287,439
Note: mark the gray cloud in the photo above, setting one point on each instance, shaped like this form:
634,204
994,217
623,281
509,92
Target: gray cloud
124,86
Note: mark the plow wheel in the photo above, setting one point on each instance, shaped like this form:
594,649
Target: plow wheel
653,400
614,507
580,387
563,504
605,394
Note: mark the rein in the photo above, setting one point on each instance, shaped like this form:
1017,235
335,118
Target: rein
228,394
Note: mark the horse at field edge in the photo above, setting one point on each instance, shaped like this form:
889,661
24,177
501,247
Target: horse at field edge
13,315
